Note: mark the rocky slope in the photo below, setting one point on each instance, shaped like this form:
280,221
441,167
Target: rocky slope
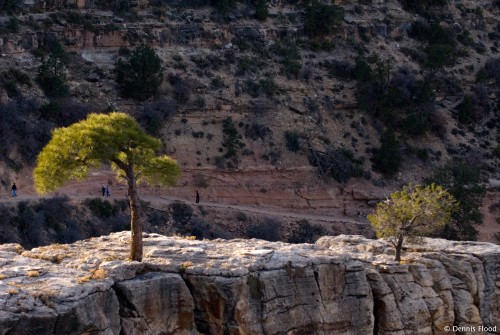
219,59
340,285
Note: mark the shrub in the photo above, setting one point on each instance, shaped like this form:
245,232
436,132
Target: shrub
387,159
13,25
153,115
51,73
396,98
320,19
231,140
496,151
240,216
439,56
181,212
261,10
156,218
10,6
181,89
140,74
463,181
64,111
306,233
246,65
268,230
339,163
257,131
340,69
223,5
466,111
292,140
100,208
289,58
421,6
491,70
11,78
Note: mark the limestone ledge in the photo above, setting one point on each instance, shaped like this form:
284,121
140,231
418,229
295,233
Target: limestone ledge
340,285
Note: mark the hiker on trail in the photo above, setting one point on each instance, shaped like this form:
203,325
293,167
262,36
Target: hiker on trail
197,197
103,190
357,214
108,192
14,190
365,217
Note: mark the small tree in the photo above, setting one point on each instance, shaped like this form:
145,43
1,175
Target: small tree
412,212
387,159
140,74
320,18
463,181
51,74
261,10
117,139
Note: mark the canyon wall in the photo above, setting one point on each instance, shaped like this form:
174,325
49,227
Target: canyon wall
340,285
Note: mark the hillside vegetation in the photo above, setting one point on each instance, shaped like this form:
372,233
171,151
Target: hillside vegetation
384,92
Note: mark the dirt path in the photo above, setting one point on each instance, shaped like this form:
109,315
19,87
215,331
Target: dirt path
166,200
259,210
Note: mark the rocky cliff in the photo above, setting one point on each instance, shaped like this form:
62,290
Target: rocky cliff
340,285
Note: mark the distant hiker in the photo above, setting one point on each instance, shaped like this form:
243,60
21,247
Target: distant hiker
197,197
103,190
357,214
14,190
108,192
365,217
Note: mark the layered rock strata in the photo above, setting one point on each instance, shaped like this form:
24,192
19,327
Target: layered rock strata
340,285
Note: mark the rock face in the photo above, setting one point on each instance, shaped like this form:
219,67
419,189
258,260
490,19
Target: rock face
340,285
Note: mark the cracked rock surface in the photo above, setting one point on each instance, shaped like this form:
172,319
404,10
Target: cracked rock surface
340,285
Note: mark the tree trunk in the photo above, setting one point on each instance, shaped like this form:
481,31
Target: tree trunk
399,246
135,221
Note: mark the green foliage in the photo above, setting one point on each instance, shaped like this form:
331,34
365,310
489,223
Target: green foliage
268,230
290,58
240,216
306,233
10,6
441,45
13,25
496,151
413,212
422,6
101,208
320,19
140,74
490,71
261,10
181,212
292,140
396,98
439,56
387,159
232,140
51,73
223,5
465,110
115,138
121,6
338,163
50,110
11,78
463,181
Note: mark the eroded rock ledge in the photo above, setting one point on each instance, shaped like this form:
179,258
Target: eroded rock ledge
340,285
